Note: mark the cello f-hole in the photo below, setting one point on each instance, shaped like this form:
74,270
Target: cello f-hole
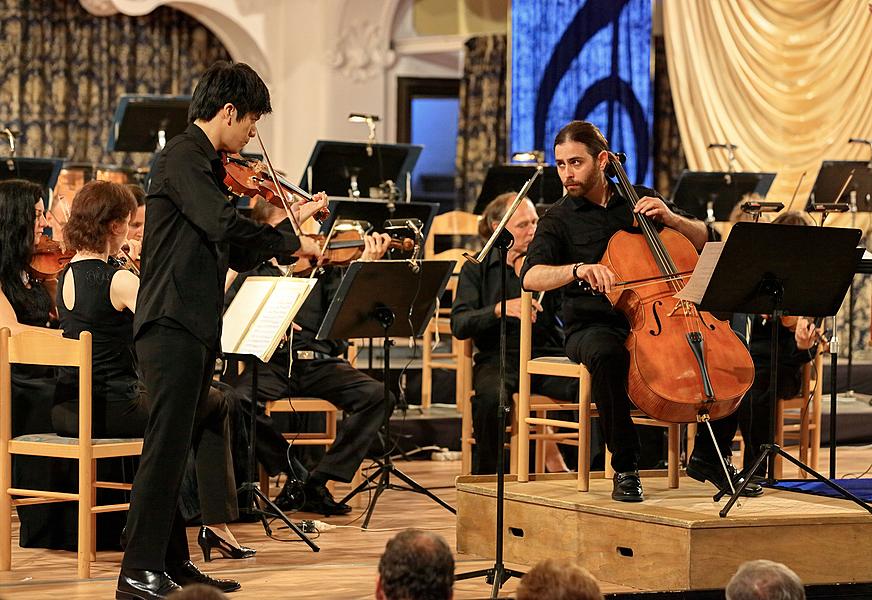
656,319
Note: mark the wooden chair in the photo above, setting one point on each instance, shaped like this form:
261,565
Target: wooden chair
46,349
561,366
451,223
464,402
799,418
318,438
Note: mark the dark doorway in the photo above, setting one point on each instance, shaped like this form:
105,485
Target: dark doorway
427,115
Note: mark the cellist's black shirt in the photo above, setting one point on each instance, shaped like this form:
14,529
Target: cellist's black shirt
576,230
192,234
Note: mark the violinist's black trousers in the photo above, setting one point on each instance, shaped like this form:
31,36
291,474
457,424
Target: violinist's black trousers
176,369
601,349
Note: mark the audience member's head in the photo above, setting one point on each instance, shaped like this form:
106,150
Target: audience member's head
554,579
765,580
416,565
793,217
198,592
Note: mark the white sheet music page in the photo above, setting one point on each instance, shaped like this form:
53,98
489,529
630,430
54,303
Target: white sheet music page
242,311
695,288
275,316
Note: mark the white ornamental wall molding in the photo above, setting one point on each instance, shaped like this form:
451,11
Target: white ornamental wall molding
362,53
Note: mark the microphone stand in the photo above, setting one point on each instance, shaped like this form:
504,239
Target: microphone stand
502,238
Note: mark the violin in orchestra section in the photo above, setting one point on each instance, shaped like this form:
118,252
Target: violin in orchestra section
342,248
248,178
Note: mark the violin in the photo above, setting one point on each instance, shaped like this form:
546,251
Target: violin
243,178
343,248
685,365
49,259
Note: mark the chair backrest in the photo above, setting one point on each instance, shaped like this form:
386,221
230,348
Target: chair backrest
456,222
47,349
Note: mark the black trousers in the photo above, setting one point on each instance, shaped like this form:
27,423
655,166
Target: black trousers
485,403
176,369
359,396
601,349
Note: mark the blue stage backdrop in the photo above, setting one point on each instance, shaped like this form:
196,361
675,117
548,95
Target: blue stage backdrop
583,59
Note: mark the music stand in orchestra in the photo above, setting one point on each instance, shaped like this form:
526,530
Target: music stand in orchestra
511,178
502,240
844,182
254,323
377,212
757,273
386,298
361,170
711,196
42,171
145,123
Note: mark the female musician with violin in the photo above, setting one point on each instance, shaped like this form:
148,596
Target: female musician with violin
192,235
317,370
572,237
25,304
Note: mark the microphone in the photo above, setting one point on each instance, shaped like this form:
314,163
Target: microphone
859,141
727,146
416,226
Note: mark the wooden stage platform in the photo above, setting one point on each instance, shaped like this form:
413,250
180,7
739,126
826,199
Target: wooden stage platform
674,540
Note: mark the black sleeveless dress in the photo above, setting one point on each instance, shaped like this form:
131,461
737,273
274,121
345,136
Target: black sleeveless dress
118,400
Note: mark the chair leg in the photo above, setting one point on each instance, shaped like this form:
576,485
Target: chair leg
466,438
357,501
583,483
540,445
264,480
673,455
779,437
86,504
427,369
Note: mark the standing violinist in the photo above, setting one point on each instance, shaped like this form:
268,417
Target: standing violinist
318,370
191,237
570,240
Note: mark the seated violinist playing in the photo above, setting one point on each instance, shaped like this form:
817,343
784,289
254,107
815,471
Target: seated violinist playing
96,297
318,371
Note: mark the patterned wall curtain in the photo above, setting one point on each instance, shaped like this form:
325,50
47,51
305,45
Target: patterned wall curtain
481,128
63,69
669,159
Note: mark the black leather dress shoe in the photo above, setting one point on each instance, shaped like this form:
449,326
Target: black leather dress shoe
290,498
320,500
627,487
136,584
705,471
187,573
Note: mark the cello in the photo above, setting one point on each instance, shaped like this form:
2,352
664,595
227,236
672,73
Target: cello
685,365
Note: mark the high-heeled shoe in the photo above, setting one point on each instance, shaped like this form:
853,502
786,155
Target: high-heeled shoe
208,540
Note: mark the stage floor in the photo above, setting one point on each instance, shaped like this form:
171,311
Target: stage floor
345,568
675,539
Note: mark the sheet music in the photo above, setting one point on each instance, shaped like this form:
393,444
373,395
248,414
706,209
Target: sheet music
274,317
264,314
242,311
696,286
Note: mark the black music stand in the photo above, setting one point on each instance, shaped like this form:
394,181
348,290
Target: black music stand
500,179
337,168
377,212
145,123
711,196
757,273
386,298
858,196
42,171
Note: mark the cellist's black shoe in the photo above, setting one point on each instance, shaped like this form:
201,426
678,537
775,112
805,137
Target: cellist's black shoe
136,584
627,487
187,573
320,500
705,471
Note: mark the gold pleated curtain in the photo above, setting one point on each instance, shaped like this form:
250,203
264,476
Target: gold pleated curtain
788,81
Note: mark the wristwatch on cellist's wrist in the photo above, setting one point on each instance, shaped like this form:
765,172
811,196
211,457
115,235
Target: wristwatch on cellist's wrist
575,271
